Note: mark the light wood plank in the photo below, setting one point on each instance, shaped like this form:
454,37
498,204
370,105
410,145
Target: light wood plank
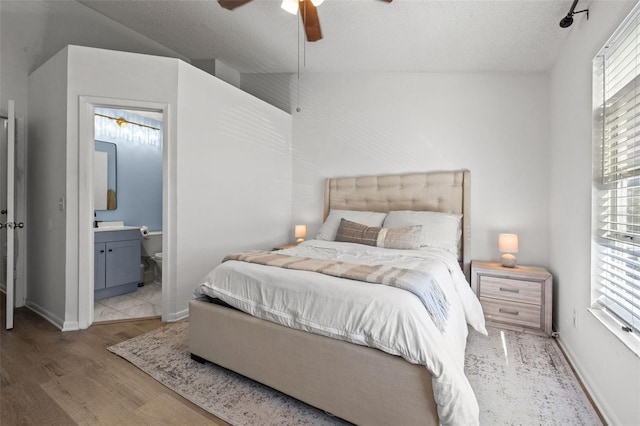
51,377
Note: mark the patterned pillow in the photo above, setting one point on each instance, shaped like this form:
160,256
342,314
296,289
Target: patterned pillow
439,230
408,237
405,238
329,228
353,232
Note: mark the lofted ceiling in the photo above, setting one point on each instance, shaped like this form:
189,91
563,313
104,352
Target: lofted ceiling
359,35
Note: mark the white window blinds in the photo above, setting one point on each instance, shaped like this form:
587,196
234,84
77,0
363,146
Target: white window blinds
616,283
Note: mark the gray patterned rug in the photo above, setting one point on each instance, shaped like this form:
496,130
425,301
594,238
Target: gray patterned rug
519,379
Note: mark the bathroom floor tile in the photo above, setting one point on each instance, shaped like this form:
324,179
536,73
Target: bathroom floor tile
149,292
145,302
105,313
143,310
122,302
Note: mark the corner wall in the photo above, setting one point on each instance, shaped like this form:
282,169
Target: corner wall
609,370
46,224
227,163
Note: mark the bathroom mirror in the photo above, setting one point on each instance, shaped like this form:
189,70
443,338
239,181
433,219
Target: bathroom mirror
104,176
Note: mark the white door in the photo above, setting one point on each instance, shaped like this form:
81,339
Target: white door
8,207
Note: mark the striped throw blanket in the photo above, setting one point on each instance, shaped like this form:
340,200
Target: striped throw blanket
419,283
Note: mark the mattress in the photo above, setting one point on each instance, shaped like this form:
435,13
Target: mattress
383,317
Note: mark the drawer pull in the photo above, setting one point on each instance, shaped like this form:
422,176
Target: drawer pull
510,290
507,311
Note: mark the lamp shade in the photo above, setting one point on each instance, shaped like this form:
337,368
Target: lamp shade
300,232
290,6
508,243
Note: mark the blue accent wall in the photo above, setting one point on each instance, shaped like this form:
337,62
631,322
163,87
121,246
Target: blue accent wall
138,169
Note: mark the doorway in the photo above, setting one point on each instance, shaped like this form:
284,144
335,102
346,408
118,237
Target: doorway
134,113
128,169
12,211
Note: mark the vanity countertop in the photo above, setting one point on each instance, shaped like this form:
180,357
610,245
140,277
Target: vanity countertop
115,228
117,225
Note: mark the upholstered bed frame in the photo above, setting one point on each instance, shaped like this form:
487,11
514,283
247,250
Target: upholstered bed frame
362,385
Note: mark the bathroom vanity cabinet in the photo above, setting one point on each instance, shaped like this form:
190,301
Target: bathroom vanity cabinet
116,262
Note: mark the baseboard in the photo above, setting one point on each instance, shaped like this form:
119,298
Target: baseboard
49,316
177,316
595,396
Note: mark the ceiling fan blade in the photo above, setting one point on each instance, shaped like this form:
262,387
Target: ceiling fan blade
232,4
309,15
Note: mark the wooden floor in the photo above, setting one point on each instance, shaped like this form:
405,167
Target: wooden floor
48,377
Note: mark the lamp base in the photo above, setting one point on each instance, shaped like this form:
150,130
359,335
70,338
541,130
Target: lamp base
508,260
299,240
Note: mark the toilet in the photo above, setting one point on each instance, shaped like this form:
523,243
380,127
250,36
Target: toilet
152,252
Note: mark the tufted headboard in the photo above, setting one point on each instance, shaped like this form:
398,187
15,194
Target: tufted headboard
441,191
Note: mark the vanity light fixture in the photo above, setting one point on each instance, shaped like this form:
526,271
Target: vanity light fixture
300,232
508,244
121,121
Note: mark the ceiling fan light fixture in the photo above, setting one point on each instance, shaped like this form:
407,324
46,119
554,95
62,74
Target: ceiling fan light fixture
290,6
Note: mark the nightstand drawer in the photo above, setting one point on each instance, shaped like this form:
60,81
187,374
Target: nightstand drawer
509,289
522,314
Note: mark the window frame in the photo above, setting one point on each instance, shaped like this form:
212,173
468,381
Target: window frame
614,84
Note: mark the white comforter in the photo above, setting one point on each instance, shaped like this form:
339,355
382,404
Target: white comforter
383,317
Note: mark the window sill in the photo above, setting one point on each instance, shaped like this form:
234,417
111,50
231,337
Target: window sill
630,340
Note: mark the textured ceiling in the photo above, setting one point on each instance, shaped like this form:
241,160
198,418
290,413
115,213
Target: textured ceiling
359,35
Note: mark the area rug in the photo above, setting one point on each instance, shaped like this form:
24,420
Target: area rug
518,379
524,379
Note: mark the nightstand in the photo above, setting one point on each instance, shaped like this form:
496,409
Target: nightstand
284,246
519,298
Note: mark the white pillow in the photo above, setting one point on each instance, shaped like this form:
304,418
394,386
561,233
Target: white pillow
439,230
330,226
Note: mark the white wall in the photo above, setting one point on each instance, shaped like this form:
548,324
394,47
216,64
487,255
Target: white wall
590,346
31,32
227,180
46,223
233,175
118,76
60,250
495,125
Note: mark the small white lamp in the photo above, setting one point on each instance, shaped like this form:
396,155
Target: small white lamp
300,232
508,244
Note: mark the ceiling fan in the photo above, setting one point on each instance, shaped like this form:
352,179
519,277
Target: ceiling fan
308,13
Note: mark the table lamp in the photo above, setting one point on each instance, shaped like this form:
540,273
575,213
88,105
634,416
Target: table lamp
300,232
508,244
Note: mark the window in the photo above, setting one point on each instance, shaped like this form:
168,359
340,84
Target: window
616,202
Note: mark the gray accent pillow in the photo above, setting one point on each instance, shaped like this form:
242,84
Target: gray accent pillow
404,238
329,228
353,232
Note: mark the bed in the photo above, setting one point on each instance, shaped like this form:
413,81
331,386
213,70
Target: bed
375,377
